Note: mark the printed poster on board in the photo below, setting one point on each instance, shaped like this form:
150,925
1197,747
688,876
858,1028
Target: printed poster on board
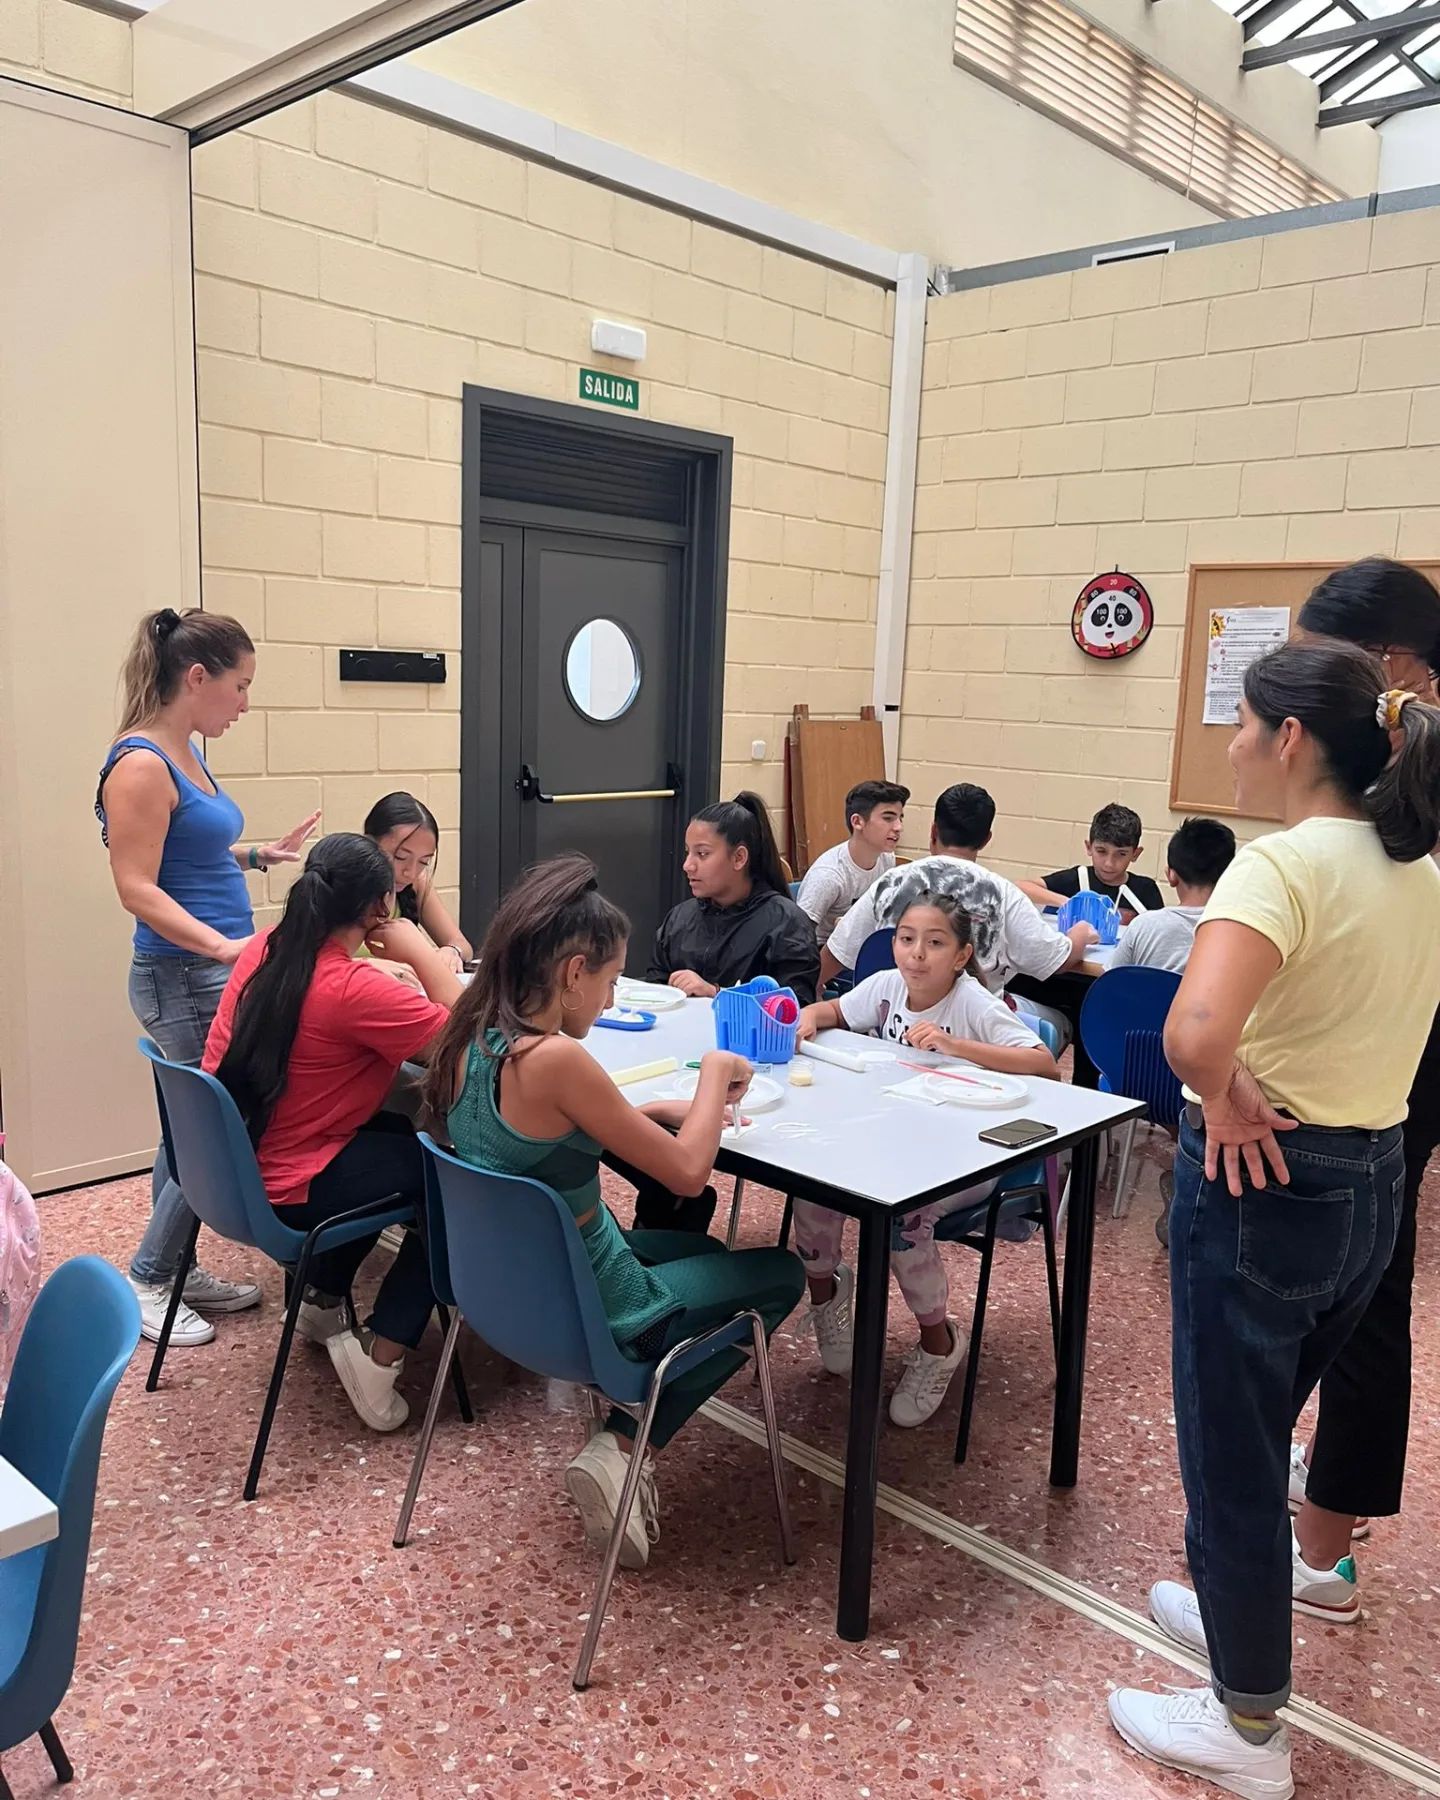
1237,636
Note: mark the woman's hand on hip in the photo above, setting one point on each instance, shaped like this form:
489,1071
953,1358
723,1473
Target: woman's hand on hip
1240,1124
228,951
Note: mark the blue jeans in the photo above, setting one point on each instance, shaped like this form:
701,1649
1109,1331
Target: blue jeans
1264,1292
174,998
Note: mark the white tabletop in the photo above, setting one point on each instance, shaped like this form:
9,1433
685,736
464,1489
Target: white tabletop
859,1138
27,1518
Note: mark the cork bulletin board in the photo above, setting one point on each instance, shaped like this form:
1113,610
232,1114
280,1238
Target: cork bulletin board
1200,780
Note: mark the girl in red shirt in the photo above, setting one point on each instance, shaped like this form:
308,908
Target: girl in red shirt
308,1039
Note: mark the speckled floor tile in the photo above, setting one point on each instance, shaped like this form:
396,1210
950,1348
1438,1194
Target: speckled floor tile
285,1649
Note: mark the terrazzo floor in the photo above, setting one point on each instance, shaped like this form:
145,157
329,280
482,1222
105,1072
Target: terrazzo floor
286,1649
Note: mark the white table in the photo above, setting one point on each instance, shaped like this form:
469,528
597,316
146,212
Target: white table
27,1518
871,1155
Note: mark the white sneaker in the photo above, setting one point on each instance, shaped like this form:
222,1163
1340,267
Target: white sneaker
920,1390
211,1294
371,1388
1176,1611
1190,1730
1332,1594
189,1328
835,1325
595,1480
318,1323
1299,1478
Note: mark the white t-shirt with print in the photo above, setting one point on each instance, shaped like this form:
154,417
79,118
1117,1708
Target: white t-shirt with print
833,883
881,1005
1010,936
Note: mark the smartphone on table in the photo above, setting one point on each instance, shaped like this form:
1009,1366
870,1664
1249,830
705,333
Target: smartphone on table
1017,1134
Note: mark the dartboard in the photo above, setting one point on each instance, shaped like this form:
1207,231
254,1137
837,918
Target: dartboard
1112,617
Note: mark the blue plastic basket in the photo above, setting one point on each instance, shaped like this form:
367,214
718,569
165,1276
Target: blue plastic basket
1090,908
744,1028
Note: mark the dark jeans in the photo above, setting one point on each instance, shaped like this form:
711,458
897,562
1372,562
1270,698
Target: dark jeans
715,1284
657,1209
1357,1458
383,1158
1264,1292
1066,993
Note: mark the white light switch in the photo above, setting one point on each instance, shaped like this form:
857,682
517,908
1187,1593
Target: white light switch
757,750
611,339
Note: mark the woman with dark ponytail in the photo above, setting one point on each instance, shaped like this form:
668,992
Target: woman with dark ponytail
176,856
1299,1022
308,1040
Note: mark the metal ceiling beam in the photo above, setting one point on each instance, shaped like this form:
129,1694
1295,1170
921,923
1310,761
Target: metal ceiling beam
1367,111
1266,15
1368,64
1382,30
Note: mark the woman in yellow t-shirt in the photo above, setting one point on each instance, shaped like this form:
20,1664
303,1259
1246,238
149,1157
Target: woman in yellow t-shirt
1299,1022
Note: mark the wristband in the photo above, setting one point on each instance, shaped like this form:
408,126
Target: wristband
256,860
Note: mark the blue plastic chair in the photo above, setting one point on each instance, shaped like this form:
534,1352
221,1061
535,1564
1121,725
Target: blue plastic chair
214,1162
876,953
523,1281
1090,908
81,1333
1029,1194
1122,1026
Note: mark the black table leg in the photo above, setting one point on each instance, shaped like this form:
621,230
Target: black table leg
862,1449
1074,1316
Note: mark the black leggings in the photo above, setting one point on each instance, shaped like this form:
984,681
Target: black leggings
383,1158
1357,1461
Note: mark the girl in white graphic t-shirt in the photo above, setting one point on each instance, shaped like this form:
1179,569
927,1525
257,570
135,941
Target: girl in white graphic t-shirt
929,1002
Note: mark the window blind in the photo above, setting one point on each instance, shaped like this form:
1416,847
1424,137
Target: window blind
1062,64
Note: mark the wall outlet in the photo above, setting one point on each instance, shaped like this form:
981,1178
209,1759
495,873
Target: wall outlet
757,750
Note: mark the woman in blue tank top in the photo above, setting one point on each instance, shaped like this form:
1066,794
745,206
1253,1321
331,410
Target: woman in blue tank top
178,868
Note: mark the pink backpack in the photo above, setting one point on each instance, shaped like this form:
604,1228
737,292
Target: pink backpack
19,1264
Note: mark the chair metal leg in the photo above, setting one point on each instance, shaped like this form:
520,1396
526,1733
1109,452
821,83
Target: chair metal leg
772,1435
427,1433
786,1219
59,1761
277,1373
182,1275
457,1373
1127,1145
977,1331
734,1224
581,1678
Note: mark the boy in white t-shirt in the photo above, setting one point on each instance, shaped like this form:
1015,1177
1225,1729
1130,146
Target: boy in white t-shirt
1198,855
875,813
928,1002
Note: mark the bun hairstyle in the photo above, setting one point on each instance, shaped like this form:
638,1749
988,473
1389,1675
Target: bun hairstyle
744,823
345,880
1381,749
401,812
1377,603
167,644
553,912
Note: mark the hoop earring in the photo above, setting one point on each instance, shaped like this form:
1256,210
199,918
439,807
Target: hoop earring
564,1007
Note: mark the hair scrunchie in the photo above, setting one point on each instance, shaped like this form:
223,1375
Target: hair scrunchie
1389,706
166,621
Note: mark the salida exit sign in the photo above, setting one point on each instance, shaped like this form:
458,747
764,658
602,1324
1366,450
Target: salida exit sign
610,390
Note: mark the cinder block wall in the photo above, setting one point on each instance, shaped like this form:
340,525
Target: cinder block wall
354,268
1244,402
61,44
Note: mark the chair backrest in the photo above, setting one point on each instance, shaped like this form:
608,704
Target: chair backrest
1089,908
437,1239
80,1334
1045,1029
1145,1075
1123,1002
521,1277
876,953
214,1160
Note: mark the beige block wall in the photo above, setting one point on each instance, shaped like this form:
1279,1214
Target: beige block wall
61,44
1276,398
354,268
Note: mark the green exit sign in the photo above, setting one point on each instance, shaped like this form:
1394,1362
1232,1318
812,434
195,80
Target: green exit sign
610,390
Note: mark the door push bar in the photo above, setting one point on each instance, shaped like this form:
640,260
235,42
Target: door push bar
529,788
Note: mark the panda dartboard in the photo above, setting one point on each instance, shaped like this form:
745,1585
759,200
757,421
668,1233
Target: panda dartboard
1112,617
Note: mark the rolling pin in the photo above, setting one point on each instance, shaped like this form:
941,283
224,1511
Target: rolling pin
667,1065
842,1059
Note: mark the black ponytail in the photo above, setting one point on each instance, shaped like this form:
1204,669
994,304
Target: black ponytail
1378,603
1391,770
744,823
346,878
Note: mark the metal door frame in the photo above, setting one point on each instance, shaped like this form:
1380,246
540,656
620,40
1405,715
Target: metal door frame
491,669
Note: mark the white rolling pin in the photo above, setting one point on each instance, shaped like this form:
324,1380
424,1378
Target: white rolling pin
842,1059
667,1065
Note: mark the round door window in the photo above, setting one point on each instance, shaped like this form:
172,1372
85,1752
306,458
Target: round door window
602,670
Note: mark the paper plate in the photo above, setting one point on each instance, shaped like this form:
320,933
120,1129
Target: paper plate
761,1095
978,1087
647,995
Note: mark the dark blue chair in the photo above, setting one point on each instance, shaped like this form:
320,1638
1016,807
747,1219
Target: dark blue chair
1122,1026
214,1162
1029,1195
523,1282
81,1333
876,953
